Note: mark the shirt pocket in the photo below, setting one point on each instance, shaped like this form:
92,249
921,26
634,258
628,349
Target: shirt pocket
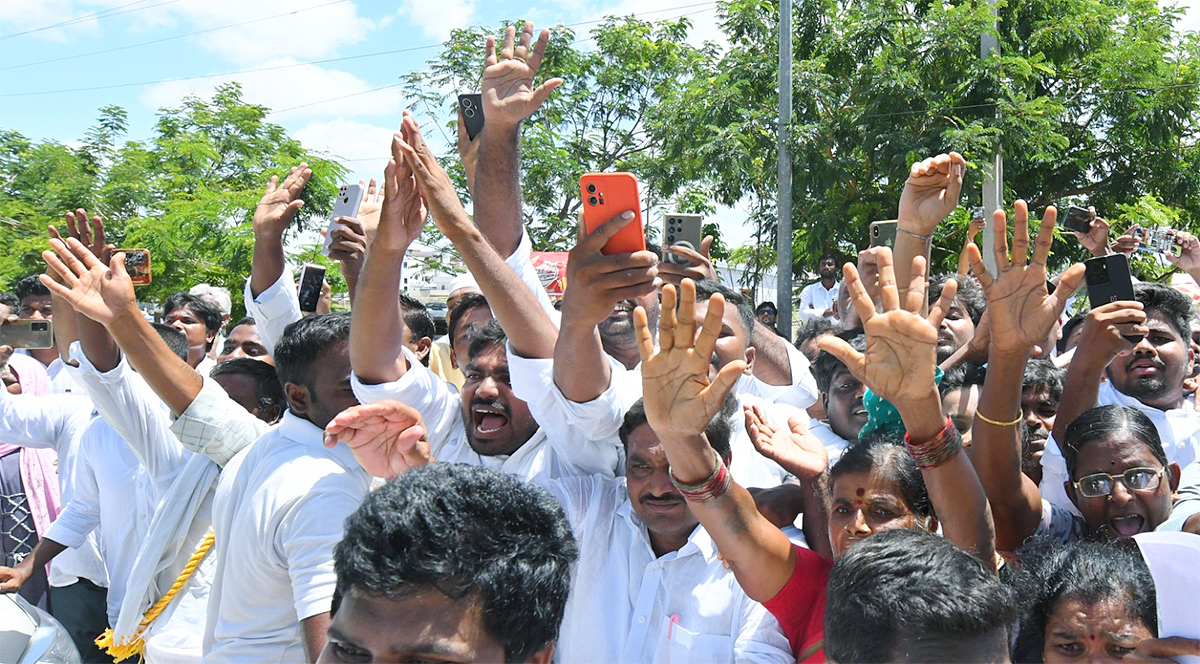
681,645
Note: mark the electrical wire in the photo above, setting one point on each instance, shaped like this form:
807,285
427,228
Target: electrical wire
107,13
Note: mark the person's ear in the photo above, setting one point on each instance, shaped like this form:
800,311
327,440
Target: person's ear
825,402
1173,474
272,414
543,656
423,347
298,398
749,360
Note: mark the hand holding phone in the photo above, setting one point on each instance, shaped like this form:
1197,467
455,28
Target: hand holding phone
137,265
471,107
311,278
1077,219
349,198
606,196
1108,280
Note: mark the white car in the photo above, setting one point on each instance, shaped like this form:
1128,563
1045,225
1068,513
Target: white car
29,635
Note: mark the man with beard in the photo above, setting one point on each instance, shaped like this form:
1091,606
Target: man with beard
1041,390
958,327
819,299
1144,350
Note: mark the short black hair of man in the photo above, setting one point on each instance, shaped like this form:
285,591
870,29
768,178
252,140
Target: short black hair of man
766,305
465,304
30,285
960,376
205,310
706,288
1088,571
970,293
910,595
1043,375
485,337
719,431
174,339
471,533
814,327
11,301
267,388
1169,303
417,320
248,320
305,342
827,364
837,261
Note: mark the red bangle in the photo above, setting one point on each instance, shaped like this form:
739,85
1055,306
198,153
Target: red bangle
937,450
711,488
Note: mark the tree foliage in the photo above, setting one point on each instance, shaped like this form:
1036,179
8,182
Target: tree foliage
187,193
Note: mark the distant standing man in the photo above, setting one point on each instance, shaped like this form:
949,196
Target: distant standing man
819,299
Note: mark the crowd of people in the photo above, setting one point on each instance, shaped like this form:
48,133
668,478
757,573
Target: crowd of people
939,468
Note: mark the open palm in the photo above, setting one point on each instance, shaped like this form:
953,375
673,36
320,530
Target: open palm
101,292
1020,306
386,437
509,95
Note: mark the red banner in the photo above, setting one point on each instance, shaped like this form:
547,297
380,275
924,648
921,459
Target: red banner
551,267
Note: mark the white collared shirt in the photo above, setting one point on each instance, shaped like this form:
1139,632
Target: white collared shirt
834,444
627,605
277,514
111,488
815,299
1179,429
56,422
440,405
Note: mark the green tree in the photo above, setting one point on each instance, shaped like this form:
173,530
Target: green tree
187,194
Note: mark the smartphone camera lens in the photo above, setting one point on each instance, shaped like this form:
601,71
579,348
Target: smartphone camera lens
468,112
1096,272
40,326
592,200
591,189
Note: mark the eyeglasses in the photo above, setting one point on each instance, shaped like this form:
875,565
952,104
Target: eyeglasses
1135,479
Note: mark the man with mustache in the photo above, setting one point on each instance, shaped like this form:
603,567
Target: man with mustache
1041,390
1143,348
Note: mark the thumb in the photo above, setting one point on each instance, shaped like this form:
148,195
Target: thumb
543,92
705,244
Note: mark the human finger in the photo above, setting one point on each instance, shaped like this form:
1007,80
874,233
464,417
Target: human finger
710,330
1000,239
915,298
506,52
978,267
539,50
1045,237
1020,246
645,339
855,361
594,241
938,311
521,51
858,294
888,295
667,319
490,52
685,326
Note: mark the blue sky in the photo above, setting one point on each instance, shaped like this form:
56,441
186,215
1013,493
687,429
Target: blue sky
337,105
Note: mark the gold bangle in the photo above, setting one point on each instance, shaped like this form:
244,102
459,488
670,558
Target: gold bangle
994,423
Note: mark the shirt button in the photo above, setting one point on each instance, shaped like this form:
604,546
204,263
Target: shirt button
641,620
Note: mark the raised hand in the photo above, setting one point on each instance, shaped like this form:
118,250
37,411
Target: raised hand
1021,309
402,216
368,209
931,192
698,266
281,202
1096,239
386,437
101,292
508,92
680,396
1189,255
436,189
901,345
91,236
603,280
794,448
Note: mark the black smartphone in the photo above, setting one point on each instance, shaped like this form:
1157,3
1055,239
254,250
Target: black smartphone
1076,219
311,278
1108,280
471,107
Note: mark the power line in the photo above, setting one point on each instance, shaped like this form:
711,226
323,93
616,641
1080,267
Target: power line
107,13
332,99
167,39
296,64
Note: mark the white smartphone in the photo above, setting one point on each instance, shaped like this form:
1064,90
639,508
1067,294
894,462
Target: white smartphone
348,199
683,230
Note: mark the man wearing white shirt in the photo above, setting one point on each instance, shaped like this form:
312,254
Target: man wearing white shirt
1147,375
819,299
842,399
36,302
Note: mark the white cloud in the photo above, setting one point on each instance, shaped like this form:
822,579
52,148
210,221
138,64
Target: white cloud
1190,20
18,16
280,89
363,148
437,18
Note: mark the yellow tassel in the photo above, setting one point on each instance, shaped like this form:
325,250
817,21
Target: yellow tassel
130,647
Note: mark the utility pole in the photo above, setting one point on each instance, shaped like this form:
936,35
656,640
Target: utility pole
783,200
993,172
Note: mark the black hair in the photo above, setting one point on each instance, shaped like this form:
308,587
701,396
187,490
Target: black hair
910,595
202,307
175,340
267,388
28,286
1169,303
485,337
1083,570
960,376
417,320
248,320
464,304
882,453
970,294
654,248
815,327
1107,421
837,260
765,305
827,364
1043,375
706,288
719,431
470,533
305,343
1067,328
11,301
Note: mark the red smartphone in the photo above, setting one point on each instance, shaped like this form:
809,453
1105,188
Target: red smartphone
606,195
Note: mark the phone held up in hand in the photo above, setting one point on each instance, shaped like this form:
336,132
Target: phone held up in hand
681,230
311,278
1078,219
1108,280
137,265
349,198
606,195
471,106
1158,241
28,333
883,233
